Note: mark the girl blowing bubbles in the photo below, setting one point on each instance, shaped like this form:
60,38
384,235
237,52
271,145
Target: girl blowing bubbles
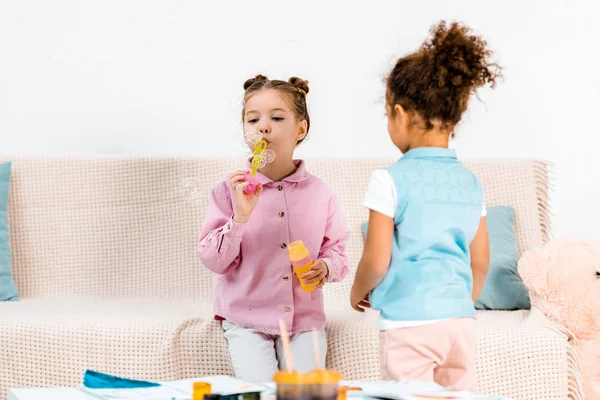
244,240
426,253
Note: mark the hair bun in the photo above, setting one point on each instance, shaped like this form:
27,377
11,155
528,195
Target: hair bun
299,84
252,81
460,59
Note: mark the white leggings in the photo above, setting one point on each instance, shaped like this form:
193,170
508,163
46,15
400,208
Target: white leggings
256,356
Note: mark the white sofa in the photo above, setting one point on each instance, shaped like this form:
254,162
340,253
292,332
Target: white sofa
104,253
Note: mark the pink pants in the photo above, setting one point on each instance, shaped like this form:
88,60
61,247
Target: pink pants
443,352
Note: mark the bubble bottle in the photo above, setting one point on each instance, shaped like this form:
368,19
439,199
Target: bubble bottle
301,262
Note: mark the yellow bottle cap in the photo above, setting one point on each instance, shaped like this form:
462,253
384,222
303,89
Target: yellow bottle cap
324,376
297,251
200,389
290,378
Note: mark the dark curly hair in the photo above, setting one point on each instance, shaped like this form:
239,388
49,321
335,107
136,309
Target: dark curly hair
294,91
438,79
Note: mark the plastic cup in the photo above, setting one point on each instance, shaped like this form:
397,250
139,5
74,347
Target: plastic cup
324,384
292,386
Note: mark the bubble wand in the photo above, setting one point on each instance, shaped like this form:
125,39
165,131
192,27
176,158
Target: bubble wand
257,156
260,157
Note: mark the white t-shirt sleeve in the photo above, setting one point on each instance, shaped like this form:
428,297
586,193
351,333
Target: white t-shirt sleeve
484,209
381,195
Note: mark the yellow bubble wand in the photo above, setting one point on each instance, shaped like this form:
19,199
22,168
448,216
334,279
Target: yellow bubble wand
261,156
257,155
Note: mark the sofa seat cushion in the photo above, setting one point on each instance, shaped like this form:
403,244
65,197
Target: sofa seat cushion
51,342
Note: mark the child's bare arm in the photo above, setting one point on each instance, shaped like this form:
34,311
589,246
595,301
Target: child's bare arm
480,258
376,257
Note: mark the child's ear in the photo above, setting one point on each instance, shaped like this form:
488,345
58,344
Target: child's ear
406,118
400,112
303,131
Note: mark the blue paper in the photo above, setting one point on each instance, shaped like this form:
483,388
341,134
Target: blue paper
98,380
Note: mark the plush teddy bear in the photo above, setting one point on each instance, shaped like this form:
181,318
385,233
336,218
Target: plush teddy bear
563,279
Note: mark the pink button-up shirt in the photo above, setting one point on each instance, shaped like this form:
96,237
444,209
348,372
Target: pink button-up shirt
255,284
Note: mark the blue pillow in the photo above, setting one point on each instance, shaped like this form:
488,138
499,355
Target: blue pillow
503,288
8,289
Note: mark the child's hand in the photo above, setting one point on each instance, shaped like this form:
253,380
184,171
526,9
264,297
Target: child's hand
318,273
359,302
243,204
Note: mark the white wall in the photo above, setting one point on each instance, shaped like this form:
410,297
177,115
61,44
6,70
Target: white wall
149,77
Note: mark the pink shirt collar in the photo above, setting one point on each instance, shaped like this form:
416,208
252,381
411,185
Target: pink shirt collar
301,174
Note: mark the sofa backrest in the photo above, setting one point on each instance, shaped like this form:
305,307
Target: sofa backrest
119,227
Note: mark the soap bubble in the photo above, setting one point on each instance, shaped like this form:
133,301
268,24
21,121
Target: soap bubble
190,189
268,155
258,162
252,137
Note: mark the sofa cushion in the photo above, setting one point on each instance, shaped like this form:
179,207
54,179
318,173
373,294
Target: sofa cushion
8,289
51,342
503,288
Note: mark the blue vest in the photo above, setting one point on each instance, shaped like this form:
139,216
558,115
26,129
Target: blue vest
438,214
